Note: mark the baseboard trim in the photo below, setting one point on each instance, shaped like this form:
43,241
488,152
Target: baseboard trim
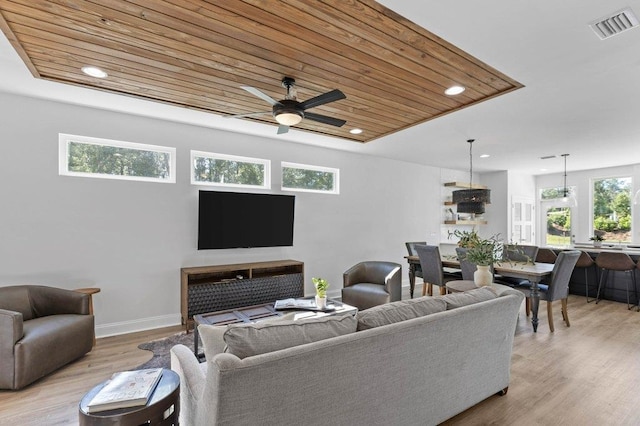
124,327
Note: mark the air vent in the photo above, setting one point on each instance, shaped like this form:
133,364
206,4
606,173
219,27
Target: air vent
546,157
614,24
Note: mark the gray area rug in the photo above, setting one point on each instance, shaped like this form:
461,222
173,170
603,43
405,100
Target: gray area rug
161,347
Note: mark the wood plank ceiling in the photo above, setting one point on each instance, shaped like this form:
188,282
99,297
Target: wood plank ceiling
197,54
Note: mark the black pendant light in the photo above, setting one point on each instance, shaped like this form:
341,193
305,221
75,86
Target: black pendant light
471,200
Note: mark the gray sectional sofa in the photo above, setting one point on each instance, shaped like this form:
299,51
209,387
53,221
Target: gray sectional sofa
412,362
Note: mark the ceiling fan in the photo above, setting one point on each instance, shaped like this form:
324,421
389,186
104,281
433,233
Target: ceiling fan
289,112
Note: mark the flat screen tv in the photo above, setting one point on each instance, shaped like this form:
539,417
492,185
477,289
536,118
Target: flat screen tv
236,220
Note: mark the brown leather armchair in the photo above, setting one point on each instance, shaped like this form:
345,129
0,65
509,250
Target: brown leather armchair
41,329
372,283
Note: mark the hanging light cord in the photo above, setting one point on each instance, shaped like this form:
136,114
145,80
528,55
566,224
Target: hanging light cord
565,175
470,162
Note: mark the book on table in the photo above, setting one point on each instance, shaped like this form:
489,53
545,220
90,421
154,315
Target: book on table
126,389
295,304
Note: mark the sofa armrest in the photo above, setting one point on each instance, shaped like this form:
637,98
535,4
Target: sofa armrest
192,382
353,275
53,301
11,330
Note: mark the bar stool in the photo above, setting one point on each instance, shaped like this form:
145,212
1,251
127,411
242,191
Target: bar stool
585,262
608,261
546,255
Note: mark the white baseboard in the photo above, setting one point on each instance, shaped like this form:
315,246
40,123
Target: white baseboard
124,327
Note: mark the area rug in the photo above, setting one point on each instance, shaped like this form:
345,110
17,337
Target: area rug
161,347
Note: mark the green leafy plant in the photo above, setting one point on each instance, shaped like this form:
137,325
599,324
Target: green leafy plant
597,237
467,239
321,286
485,252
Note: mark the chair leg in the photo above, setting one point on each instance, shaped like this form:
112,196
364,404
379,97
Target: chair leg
443,290
565,312
603,276
427,288
627,283
527,306
550,316
586,283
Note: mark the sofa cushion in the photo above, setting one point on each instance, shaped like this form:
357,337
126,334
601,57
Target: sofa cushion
481,294
401,310
244,340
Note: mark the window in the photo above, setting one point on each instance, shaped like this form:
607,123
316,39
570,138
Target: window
208,168
556,216
612,209
109,159
302,177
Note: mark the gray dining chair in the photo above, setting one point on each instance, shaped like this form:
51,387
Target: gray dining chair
517,253
411,249
557,287
432,273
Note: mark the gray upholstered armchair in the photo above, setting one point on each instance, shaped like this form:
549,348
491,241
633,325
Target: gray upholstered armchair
372,283
41,329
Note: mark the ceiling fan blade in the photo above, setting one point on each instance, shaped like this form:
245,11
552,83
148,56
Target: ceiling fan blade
259,94
249,114
325,98
324,119
282,129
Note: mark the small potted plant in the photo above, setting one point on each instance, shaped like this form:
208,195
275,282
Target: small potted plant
483,254
597,240
321,286
466,239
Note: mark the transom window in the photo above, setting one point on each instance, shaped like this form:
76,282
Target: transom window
208,168
110,159
303,177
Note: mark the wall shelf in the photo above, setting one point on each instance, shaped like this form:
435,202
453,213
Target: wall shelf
465,185
465,222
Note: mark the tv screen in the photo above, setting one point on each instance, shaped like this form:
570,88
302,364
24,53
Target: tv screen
235,220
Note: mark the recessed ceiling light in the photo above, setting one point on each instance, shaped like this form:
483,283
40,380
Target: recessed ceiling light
485,156
543,170
94,72
454,90
355,131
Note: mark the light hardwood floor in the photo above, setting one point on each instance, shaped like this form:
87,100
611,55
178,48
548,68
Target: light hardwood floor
588,374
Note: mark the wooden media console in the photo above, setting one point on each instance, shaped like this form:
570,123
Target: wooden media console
205,289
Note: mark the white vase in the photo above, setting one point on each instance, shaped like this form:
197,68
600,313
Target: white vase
482,276
321,302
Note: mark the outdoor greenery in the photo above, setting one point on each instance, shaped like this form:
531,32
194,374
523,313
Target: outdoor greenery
112,160
612,207
293,177
206,169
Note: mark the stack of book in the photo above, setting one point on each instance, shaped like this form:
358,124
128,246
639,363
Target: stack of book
126,389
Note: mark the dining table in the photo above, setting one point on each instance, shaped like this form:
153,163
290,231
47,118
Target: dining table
531,271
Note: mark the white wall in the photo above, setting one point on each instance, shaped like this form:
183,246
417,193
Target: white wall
582,215
131,238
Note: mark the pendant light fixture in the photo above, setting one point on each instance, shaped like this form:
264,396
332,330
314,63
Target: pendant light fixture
471,200
567,200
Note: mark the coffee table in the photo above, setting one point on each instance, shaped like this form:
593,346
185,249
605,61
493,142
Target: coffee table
163,407
256,313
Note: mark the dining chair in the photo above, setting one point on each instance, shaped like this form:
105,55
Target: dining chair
546,255
411,249
517,253
585,262
620,262
432,273
557,287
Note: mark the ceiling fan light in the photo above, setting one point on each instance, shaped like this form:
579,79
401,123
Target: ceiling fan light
289,118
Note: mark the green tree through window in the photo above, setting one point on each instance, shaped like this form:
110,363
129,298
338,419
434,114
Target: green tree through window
219,169
112,160
309,178
612,208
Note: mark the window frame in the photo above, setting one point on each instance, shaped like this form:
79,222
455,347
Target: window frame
229,157
334,171
65,139
592,182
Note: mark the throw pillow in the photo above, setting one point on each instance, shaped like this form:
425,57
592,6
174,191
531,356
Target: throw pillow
456,300
402,310
212,336
244,340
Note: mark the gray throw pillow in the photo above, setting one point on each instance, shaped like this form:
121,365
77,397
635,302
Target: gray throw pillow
244,340
402,310
480,294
